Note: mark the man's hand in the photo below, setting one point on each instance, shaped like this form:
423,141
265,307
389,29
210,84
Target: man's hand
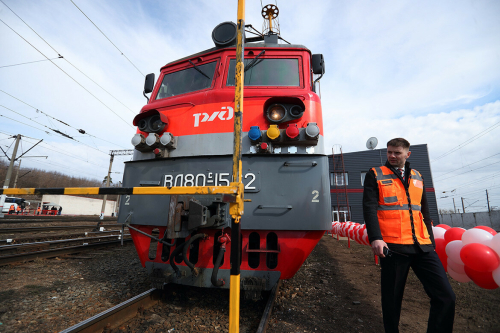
378,247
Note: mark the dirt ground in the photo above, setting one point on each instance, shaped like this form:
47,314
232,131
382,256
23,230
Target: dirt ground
338,289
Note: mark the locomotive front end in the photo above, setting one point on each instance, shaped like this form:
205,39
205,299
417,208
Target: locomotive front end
185,138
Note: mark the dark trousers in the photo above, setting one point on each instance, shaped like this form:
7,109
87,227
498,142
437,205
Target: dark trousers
430,272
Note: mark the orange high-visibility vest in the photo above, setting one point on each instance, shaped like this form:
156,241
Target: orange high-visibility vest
38,209
394,209
12,207
18,208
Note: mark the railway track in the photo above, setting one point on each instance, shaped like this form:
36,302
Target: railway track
51,228
30,251
50,219
124,312
49,237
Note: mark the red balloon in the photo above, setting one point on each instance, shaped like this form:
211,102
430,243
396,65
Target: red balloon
441,252
444,226
479,257
482,279
491,231
453,234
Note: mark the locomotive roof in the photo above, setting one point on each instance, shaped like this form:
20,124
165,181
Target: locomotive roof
247,45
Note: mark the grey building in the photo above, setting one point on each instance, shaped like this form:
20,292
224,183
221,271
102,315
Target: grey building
356,164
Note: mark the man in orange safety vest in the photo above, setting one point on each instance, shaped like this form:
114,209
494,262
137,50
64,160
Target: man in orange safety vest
399,229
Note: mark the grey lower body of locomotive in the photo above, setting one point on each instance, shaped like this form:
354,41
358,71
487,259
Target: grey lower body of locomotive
286,192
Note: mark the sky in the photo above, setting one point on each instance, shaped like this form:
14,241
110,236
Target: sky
428,71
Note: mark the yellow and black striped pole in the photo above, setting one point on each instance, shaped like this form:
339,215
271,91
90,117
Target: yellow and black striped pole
237,207
230,192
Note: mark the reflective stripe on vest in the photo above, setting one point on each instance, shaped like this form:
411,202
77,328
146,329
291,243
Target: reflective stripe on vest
404,207
393,210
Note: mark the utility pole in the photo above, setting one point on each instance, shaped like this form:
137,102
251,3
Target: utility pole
112,153
9,173
17,174
463,207
454,207
107,184
488,200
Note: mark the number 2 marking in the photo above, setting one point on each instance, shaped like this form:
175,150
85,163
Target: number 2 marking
127,200
247,186
316,195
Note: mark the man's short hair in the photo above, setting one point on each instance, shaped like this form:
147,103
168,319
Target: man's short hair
399,142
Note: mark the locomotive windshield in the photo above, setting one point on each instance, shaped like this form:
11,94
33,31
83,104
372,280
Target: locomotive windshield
268,72
187,80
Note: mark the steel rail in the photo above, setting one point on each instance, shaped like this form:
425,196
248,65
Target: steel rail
90,218
51,228
31,238
21,221
117,315
20,246
269,308
56,252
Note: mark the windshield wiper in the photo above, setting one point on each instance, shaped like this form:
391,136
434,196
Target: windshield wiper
199,70
254,61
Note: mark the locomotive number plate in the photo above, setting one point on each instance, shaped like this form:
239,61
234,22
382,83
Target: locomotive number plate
251,180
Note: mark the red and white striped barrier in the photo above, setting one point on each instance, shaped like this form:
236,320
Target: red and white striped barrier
352,230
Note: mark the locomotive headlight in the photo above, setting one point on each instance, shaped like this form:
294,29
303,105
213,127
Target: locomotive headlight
143,125
275,113
155,124
296,111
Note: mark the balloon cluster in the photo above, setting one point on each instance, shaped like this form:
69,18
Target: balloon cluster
352,230
472,254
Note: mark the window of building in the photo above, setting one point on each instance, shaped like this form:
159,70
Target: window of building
363,175
337,178
341,215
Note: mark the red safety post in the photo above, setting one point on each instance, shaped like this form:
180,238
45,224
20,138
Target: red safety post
348,243
376,260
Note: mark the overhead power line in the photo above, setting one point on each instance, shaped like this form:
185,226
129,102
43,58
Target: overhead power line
484,166
66,153
465,143
31,62
57,150
116,114
60,56
54,130
465,166
81,131
107,37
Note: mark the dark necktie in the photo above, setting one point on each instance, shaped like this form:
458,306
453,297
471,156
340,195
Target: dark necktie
402,173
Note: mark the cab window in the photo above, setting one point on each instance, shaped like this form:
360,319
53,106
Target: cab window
268,72
187,80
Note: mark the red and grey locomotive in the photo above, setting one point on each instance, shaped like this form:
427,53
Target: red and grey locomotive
185,138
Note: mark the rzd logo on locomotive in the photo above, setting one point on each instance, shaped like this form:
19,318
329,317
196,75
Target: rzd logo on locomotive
216,115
